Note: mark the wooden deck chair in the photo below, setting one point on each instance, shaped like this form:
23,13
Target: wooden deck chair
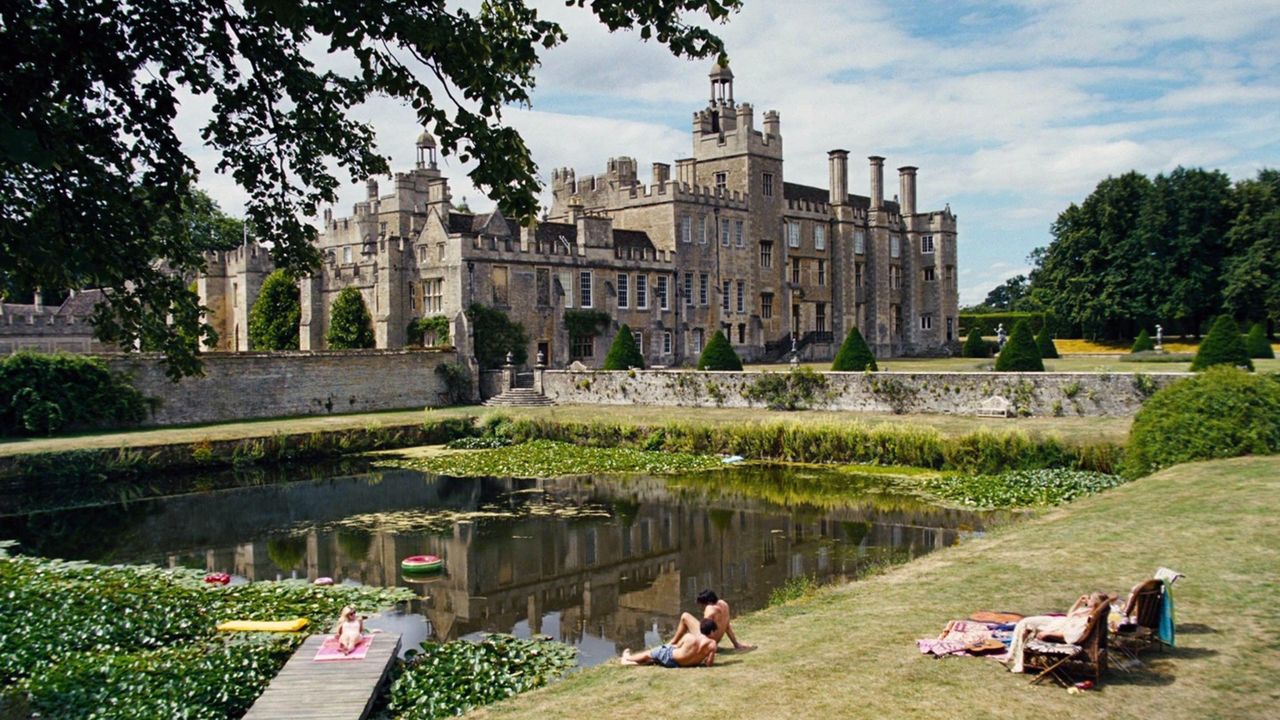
1088,657
1142,611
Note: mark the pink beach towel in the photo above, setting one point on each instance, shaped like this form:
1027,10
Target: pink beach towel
329,652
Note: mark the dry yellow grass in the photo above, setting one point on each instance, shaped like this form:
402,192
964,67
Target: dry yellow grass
1076,347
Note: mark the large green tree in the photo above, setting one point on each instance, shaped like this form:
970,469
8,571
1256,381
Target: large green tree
1008,295
1250,288
92,171
274,317
350,327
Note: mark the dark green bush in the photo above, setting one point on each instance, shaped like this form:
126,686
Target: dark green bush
986,323
975,346
623,353
794,390
1044,343
719,355
350,327
854,355
1223,412
1222,346
274,318
1257,343
1143,343
495,336
44,394
1020,353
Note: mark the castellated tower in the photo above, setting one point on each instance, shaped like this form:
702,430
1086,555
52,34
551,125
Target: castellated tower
229,287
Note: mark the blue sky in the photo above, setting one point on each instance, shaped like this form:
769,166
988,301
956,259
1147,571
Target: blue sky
1011,110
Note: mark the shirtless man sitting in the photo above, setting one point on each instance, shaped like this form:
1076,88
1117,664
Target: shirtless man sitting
693,648
713,608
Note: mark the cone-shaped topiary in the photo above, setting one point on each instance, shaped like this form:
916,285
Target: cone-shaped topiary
623,353
975,346
1224,345
854,355
719,355
1143,343
1044,343
1257,343
1020,353
350,327
273,321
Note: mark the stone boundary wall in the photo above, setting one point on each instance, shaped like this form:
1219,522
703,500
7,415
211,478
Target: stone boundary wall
242,386
956,393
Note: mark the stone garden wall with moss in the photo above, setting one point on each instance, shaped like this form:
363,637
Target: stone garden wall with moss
1038,394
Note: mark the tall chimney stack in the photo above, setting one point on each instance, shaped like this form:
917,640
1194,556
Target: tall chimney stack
838,165
877,182
907,188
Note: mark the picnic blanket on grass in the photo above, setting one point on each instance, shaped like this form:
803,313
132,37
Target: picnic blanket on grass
969,637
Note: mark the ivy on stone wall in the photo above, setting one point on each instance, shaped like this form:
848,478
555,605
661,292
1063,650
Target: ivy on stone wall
419,328
582,323
496,335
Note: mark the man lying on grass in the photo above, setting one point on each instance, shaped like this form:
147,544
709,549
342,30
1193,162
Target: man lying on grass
714,608
693,648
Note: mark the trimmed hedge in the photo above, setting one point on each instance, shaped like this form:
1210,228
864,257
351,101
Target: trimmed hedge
854,355
1020,353
43,394
1257,344
986,323
975,346
719,355
1143,343
1224,345
623,353
350,327
274,318
1044,343
1223,412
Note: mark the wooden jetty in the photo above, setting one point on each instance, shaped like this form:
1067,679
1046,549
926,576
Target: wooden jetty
335,690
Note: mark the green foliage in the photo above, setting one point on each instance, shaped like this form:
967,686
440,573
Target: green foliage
92,165
798,389
437,325
495,336
623,353
449,679
274,318
975,346
1143,343
1020,353
457,381
1257,344
719,355
44,394
350,327
854,355
544,458
1044,343
1019,488
1223,412
141,640
1222,346
581,323
1009,295
987,323
792,589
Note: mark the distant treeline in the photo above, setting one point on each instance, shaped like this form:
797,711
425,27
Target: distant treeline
1178,250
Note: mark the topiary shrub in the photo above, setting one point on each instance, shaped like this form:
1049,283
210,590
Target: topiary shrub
1020,353
1143,343
1223,412
43,394
1044,343
274,318
350,327
854,355
623,353
975,346
1257,344
719,355
1222,346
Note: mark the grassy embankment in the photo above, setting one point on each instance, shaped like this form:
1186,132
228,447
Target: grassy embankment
849,651
1067,363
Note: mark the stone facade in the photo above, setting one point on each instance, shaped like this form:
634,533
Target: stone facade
724,244
959,393
51,328
240,386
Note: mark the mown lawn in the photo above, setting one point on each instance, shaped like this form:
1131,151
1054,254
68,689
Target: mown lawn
850,652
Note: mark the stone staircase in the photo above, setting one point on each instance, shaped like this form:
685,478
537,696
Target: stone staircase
519,397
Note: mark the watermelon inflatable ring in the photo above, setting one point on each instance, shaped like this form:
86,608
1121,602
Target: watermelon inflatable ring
417,564
217,578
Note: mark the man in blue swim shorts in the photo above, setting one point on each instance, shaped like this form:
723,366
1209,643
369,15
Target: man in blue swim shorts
694,647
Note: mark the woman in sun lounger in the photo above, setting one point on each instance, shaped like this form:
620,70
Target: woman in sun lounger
1067,628
349,630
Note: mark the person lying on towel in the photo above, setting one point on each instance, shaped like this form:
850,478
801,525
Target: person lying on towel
1067,628
695,647
349,630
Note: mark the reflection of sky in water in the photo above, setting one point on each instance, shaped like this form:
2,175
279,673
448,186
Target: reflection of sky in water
617,578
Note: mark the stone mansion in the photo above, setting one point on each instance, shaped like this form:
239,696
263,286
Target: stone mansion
724,243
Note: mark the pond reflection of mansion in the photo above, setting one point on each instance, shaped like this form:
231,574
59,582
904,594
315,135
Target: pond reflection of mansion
606,577
720,241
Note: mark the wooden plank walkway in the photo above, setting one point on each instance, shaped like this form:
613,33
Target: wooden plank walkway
337,690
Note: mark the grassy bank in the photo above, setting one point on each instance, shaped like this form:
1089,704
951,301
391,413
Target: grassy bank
849,651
